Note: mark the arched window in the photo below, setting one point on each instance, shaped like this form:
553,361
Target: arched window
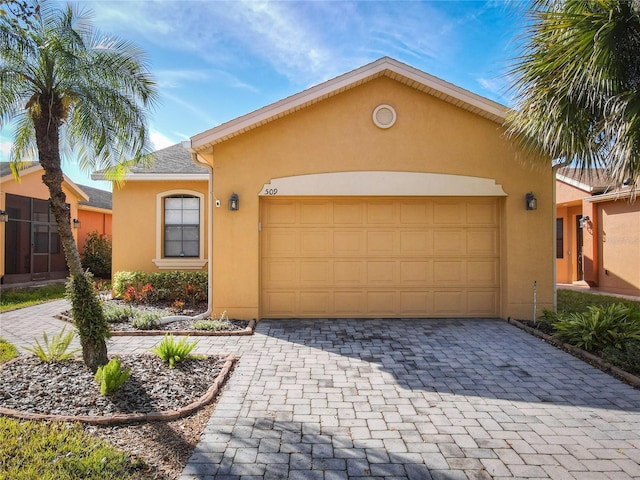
180,230
181,226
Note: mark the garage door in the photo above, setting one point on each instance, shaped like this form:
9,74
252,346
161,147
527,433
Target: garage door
379,257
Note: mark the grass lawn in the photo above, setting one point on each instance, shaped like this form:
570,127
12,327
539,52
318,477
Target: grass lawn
570,301
60,451
26,297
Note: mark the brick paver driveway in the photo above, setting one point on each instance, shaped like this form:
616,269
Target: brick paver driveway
415,399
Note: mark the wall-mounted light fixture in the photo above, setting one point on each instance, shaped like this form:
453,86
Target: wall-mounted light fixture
234,202
584,221
76,223
4,216
531,201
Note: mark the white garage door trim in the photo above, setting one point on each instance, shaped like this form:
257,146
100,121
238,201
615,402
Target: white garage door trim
370,183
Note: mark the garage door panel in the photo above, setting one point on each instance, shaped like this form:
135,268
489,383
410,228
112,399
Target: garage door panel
316,273
482,242
449,302
382,303
315,303
484,272
315,213
389,257
479,212
381,272
449,271
349,213
280,212
382,212
416,213
280,273
280,303
451,212
315,243
415,303
482,303
414,272
349,273
349,303
449,242
349,243
414,243
280,243
382,243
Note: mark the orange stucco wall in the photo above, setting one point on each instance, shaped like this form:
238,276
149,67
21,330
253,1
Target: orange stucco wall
619,246
30,185
135,226
337,135
92,221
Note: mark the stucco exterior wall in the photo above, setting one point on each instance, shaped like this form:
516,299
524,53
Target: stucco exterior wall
135,226
92,221
619,242
337,135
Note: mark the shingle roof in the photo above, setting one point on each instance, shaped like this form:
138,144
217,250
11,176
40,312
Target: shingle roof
596,178
5,167
97,198
173,159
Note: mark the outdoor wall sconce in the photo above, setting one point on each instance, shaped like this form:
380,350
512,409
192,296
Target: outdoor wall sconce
76,223
531,201
234,202
584,221
4,216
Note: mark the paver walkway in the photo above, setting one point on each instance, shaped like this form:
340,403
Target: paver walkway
441,399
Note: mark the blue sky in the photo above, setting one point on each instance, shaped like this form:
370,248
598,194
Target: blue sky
217,60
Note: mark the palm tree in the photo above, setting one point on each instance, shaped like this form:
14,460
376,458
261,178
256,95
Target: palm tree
67,87
577,85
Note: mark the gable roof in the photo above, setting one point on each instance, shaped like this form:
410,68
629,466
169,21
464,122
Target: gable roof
387,67
32,167
97,198
175,160
594,181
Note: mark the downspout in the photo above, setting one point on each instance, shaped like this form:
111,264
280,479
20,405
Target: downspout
196,160
554,170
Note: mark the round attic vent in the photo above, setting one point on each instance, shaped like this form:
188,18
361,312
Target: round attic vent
384,116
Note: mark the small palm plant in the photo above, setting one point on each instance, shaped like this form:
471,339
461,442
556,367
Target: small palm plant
54,350
172,352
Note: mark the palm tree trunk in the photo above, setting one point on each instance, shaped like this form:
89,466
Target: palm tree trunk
85,305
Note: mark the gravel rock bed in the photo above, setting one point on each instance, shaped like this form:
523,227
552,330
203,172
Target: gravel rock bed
179,325
68,388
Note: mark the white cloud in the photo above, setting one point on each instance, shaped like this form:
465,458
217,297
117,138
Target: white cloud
160,140
5,150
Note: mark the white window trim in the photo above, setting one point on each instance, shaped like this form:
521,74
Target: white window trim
173,263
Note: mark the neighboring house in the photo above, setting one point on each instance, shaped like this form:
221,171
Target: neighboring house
597,232
94,215
30,247
384,192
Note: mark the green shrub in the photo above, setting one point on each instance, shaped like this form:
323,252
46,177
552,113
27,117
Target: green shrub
96,256
627,356
111,377
171,352
54,350
143,287
598,327
7,351
114,313
145,321
210,325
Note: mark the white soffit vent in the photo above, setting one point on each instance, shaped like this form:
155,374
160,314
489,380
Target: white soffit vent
384,116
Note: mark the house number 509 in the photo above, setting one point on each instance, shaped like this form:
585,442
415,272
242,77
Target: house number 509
270,191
